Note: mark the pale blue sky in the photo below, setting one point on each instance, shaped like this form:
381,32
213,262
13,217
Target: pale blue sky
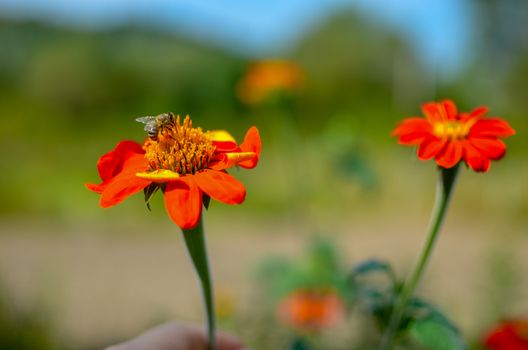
438,29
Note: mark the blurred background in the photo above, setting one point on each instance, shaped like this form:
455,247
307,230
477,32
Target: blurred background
75,75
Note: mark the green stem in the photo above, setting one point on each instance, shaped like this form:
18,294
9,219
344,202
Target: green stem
196,246
446,182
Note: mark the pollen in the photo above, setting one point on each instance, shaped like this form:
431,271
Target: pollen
452,130
179,148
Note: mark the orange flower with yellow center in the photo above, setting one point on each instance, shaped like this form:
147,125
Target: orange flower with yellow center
312,310
186,163
450,136
267,77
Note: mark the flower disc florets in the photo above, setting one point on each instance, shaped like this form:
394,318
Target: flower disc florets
179,147
452,130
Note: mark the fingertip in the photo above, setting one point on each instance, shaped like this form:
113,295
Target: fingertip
228,342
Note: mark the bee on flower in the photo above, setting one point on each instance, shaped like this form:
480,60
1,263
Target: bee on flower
186,163
265,78
153,124
450,136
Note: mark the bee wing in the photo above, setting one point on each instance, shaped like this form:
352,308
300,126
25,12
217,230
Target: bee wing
147,119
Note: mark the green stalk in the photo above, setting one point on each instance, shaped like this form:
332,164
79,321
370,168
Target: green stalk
196,246
446,182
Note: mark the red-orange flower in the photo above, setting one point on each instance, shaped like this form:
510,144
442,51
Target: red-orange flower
184,162
450,136
509,335
311,310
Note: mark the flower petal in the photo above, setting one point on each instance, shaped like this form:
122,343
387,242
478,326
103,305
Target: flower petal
111,163
252,143
440,112
431,110
490,148
450,109
230,159
491,127
451,155
183,202
223,140
159,176
430,148
96,188
474,158
475,115
246,156
412,131
221,186
126,183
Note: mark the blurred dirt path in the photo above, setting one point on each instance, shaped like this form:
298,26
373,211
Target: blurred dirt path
99,287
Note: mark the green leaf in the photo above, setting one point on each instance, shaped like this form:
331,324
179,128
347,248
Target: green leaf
374,265
436,335
420,309
322,265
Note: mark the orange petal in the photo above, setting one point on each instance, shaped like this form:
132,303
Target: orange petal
132,164
474,159
123,185
220,186
451,155
490,148
475,115
223,140
96,188
183,202
431,110
228,160
430,148
111,163
491,127
450,109
220,162
252,143
412,131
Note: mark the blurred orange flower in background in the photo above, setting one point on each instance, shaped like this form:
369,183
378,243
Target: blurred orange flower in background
450,136
186,163
509,335
312,310
265,78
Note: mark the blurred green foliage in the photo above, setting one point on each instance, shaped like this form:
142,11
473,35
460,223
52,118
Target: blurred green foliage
23,330
321,268
369,291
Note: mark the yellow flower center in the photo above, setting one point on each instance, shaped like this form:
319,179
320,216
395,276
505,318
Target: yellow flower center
178,148
452,130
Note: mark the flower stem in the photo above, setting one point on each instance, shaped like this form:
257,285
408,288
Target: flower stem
196,246
446,182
